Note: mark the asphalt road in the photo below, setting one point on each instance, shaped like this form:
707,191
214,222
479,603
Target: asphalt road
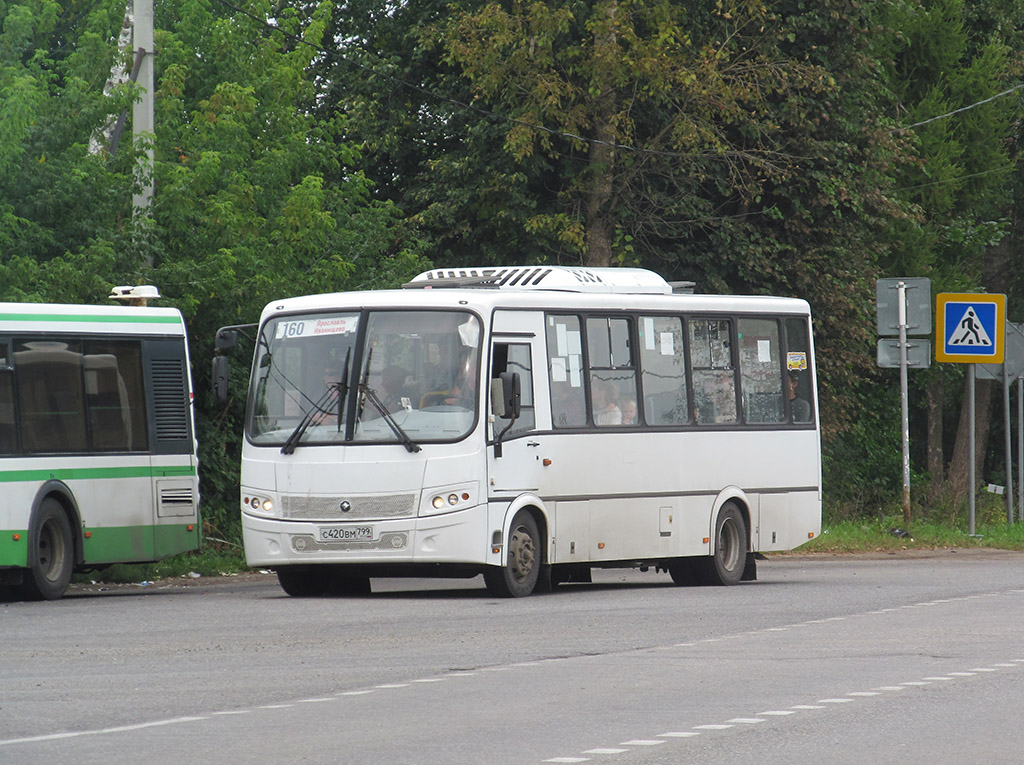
916,658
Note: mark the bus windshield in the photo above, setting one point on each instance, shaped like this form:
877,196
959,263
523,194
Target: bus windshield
413,378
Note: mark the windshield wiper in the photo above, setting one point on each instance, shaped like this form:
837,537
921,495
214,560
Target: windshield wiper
368,393
339,390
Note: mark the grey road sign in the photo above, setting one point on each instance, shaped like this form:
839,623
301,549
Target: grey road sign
919,305
1013,360
919,353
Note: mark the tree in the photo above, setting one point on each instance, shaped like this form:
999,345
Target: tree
955,181
256,193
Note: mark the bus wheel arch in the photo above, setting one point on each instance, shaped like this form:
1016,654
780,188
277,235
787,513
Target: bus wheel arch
54,544
730,545
525,568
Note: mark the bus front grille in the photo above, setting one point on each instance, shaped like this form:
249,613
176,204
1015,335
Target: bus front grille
392,540
307,508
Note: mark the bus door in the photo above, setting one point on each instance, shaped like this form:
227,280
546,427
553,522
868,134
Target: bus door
517,345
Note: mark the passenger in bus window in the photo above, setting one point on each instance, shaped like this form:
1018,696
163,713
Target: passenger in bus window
395,397
568,410
628,406
800,407
463,390
606,411
329,412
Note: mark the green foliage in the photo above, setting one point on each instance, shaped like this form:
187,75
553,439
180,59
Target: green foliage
256,194
746,147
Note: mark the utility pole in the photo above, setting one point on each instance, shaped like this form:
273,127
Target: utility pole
142,111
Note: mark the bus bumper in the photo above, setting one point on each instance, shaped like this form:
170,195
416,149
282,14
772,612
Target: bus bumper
457,537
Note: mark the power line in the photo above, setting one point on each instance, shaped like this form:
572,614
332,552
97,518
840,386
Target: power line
961,109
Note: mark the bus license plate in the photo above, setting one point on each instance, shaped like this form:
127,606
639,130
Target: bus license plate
346,533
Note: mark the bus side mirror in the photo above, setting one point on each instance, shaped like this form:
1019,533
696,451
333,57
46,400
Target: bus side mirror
226,340
511,395
219,378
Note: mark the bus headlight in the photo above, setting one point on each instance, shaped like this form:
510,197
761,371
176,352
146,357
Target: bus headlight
448,499
259,504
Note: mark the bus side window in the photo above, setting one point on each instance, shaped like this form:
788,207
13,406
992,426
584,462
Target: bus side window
515,357
714,378
8,435
565,370
612,371
663,370
51,398
760,370
798,382
114,395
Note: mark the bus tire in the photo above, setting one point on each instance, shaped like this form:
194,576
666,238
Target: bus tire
343,583
51,557
303,581
683,572
726,563
518,577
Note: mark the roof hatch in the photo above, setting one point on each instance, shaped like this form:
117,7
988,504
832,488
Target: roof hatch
557,278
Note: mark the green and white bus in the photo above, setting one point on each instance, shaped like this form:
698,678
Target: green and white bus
97,440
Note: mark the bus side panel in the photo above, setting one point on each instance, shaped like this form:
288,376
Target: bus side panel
572,531
787,520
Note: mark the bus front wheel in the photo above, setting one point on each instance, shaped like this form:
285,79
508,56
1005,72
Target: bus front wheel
518,577
725,565
303,581
51,557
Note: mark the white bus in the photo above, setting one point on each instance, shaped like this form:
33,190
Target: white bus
97,452
527,424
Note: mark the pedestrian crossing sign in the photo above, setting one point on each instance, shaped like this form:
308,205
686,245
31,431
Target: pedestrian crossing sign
969,329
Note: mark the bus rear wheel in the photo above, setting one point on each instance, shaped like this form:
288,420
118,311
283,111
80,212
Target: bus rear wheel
51,557
303,581
725,565
518,577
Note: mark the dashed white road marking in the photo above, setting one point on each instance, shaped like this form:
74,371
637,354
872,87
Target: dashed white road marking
834,701
746,720
711,727
962,674
568,759
118,729
680,734
231,712
916,682
807,706
642,742
776,713
355,693
863,693
277,706
314,701
392,685
937,678
604,751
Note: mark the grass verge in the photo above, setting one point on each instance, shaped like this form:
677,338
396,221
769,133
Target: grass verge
891,534
204,563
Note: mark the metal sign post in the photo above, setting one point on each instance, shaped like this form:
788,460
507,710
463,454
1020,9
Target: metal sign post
910,313
1007,373
970,329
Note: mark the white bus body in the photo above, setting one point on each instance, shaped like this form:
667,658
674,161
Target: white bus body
97,447
723,460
